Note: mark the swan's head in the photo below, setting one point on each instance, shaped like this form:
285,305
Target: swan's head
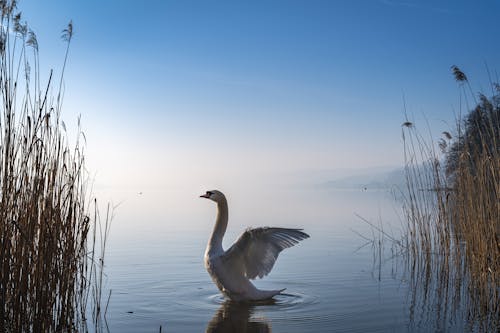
214,195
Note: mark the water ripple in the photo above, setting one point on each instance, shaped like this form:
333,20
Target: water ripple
283,301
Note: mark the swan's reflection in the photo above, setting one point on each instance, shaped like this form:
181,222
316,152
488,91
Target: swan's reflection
236,317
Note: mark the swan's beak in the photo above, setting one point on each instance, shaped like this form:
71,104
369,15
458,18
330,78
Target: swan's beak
205,196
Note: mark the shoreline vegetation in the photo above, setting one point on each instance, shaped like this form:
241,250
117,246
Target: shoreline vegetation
51,239
450,242
453,228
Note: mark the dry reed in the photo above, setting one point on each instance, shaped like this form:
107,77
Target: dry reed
48,251
452,211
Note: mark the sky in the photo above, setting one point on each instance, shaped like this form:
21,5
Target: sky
217,93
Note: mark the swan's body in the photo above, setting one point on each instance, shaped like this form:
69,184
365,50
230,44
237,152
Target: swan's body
252,255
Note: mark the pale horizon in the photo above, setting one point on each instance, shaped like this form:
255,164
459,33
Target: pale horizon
174,93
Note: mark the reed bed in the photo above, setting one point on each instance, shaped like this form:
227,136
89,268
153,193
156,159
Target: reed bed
452,217
49,259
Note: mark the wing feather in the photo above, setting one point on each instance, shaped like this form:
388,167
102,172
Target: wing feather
257,249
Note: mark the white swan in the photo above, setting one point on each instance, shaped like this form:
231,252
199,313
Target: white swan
253,255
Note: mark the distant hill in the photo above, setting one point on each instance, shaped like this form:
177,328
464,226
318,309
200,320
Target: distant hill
369,180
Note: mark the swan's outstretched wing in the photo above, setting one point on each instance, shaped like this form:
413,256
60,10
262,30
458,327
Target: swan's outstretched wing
256,251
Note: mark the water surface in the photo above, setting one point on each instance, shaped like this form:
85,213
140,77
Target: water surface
333,284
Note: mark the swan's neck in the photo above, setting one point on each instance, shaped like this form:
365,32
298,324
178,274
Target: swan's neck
215,242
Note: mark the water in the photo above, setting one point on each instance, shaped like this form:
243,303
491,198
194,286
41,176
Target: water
155,269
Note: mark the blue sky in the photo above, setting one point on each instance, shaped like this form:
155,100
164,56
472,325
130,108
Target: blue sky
216,90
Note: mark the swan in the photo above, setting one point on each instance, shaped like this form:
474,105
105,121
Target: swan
252,255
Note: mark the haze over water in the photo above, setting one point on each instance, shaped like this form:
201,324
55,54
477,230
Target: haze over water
155,264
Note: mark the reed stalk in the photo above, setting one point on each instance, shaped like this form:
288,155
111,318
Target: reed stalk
452,216
47,258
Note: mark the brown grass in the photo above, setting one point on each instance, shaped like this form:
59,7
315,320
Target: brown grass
452,219
47,239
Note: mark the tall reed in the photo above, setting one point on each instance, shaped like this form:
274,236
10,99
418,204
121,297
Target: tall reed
46,245
452,211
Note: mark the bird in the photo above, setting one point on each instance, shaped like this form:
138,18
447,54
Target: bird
252,255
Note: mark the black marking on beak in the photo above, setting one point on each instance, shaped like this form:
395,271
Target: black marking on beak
206,195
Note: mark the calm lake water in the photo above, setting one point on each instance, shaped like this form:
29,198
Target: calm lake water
155,269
